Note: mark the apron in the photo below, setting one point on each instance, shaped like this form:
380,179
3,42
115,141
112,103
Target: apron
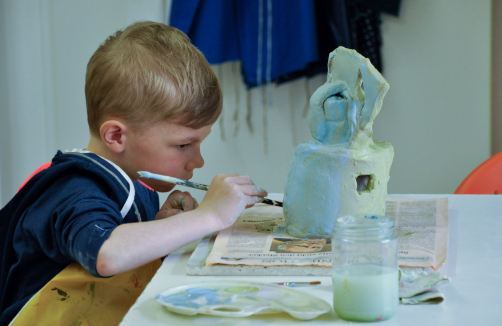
75,297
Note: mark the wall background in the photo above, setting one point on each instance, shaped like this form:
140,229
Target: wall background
438,113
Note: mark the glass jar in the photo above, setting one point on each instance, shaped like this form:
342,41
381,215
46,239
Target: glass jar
365,268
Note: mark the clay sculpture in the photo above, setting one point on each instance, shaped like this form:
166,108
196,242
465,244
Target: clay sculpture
342,170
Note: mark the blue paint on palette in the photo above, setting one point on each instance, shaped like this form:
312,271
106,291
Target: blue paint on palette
189,304
200,290
179,297
183,299
212,298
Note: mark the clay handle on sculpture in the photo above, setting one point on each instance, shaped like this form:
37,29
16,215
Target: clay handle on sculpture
375,88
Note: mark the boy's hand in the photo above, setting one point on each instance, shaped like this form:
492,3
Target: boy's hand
228,195
177,202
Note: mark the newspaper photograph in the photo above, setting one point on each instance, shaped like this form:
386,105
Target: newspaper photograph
259,237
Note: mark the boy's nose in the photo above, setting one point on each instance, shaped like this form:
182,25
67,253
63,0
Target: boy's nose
196,162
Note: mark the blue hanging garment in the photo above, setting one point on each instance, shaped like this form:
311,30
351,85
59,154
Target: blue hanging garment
272,38
332,29
211,26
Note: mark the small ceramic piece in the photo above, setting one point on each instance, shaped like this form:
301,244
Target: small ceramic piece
241,299
341,171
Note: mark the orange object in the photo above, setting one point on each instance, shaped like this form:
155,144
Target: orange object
42,167
486,179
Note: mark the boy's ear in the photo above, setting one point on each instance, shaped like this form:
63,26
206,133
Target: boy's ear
113,134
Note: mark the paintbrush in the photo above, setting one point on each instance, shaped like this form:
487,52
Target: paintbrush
186,183
296,284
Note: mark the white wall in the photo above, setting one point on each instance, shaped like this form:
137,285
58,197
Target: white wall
25,93
436,114
437,111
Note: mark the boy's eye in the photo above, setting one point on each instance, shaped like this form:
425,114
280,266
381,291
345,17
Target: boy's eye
183,146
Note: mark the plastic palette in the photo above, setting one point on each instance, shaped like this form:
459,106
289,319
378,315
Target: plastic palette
241,299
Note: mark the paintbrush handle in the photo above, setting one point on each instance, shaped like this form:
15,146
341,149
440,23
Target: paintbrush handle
194,185
186,183
296,284
165,178
272,202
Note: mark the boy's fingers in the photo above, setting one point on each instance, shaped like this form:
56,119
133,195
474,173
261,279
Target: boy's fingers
237,179
182,200
174,199
194,202
251,200
225,176
233,178
188,203
252,190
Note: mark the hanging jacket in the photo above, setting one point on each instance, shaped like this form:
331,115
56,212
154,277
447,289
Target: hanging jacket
272,38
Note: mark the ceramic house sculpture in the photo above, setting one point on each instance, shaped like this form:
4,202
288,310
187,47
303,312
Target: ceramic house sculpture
342,170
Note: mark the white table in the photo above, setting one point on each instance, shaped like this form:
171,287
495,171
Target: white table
474,265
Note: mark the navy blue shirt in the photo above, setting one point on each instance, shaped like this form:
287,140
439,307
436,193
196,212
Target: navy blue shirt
62,215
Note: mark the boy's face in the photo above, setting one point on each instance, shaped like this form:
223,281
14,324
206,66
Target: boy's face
166,148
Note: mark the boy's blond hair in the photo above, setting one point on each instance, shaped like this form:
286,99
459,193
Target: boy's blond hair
148,73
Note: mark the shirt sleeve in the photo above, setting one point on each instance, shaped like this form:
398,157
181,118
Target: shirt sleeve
85,226
72,220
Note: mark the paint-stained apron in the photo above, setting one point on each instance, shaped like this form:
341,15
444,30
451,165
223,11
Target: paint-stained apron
76,298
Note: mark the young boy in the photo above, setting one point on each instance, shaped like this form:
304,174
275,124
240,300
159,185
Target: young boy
152,98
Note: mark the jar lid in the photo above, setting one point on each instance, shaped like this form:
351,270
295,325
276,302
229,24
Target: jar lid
364,222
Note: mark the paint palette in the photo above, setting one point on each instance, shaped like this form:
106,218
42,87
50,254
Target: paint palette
241,299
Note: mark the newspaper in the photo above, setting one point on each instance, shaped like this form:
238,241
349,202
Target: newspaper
422,229
259,237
